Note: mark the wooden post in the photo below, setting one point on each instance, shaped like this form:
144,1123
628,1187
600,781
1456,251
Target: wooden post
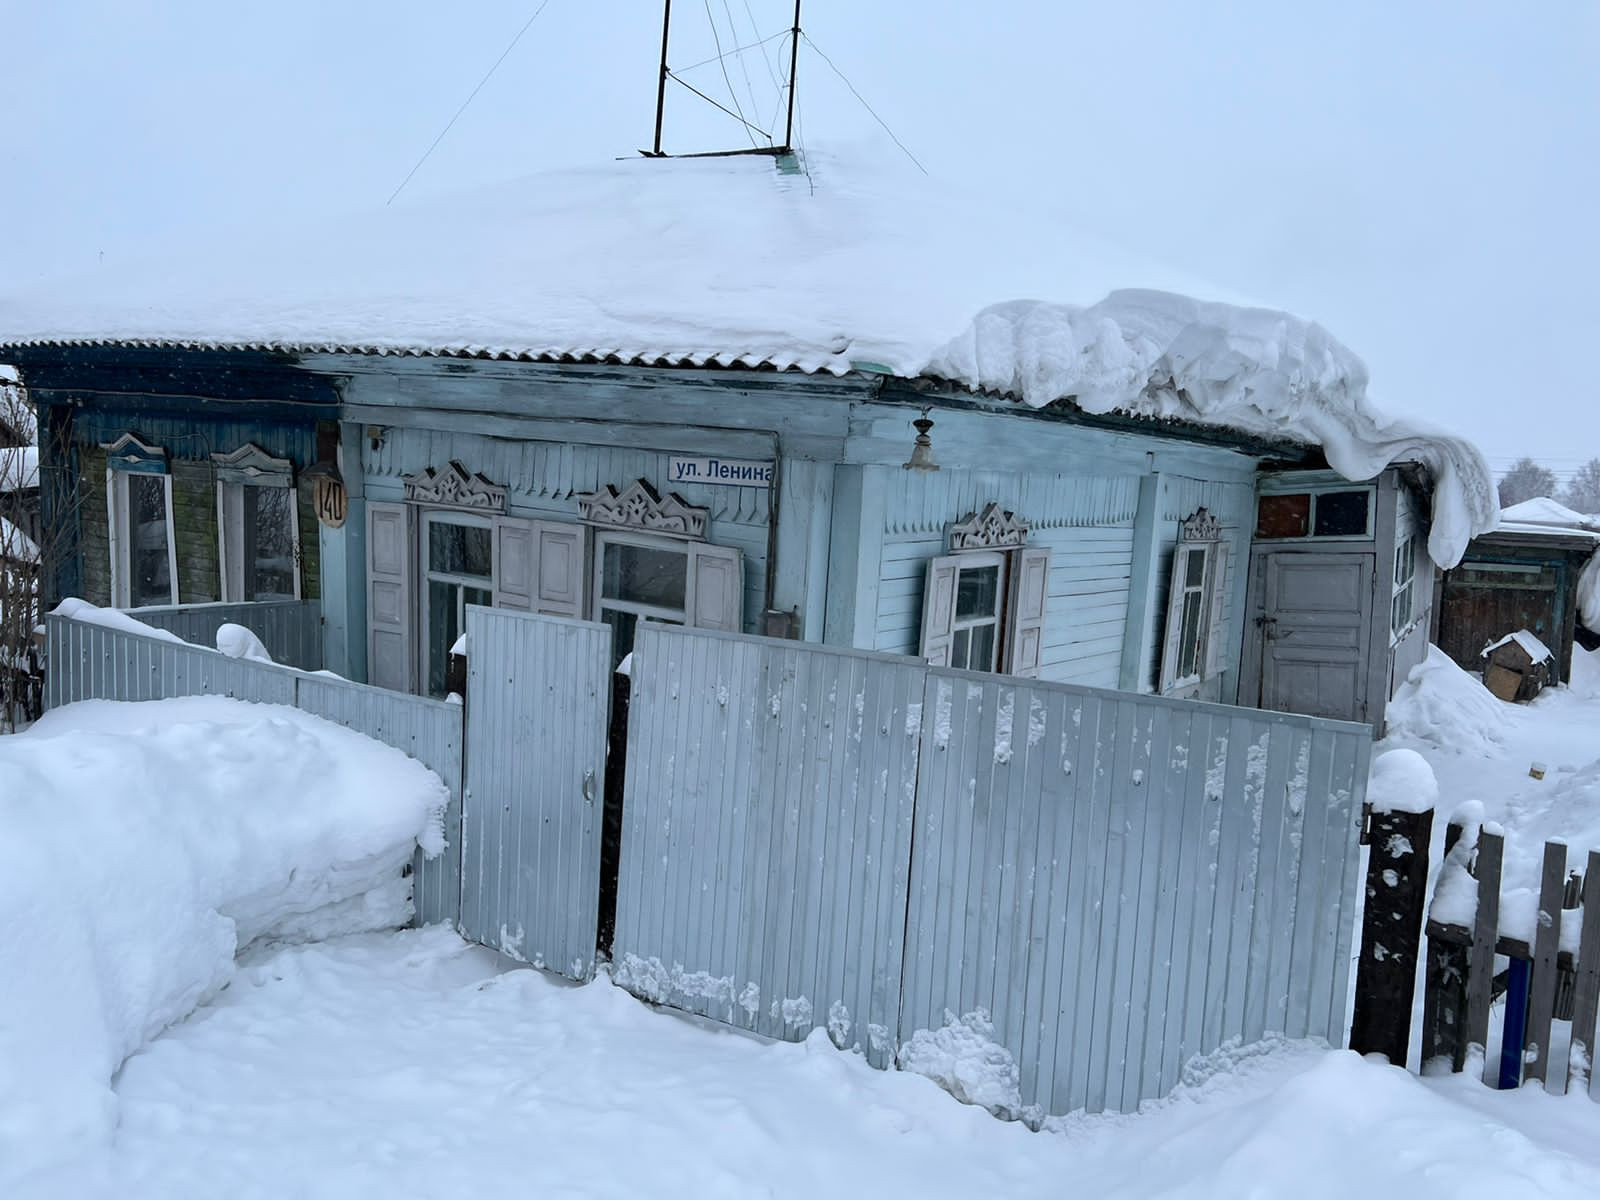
1444,986
1546,945
1391,933
1485,934
1586,1001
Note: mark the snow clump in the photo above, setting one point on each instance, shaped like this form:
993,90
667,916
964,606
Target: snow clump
964,1059
1444,707
146,844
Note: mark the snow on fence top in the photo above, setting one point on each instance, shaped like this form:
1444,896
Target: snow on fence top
847,265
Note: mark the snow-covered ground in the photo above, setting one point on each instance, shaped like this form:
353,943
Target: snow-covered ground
372,1063
409,1064
143,845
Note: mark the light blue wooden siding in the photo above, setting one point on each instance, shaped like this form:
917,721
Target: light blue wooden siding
1086,522
544,479
1233,504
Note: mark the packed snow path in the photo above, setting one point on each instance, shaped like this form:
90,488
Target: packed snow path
408,1064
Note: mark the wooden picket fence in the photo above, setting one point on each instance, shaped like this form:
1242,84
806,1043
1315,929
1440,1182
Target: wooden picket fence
1552,977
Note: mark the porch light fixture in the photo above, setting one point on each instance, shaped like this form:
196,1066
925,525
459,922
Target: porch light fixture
922,449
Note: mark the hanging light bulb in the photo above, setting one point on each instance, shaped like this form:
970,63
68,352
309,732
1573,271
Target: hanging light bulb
922,449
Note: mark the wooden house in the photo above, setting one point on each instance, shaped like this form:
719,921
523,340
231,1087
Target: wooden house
1524,575
801,473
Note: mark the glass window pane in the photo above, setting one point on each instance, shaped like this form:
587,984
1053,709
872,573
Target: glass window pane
1194,568
149,575
1341,514
1283,516
268,543
1189,638
622,625
645,575
959,645
980,656
460,549
978,593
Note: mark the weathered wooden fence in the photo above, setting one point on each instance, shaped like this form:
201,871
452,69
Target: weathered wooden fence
816,838
291,630
91,662
1548,996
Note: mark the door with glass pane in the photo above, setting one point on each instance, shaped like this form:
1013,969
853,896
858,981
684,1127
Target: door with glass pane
458,570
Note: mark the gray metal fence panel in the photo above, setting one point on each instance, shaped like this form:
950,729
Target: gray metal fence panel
538,696
766,833
430,731
92,662
291,630
1124,881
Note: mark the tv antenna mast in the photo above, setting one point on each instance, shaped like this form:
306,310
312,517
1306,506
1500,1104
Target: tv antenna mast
667,73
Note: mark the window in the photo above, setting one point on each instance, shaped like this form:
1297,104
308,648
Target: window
975,635
144,561
1405,570
638,579
458,563
983,605
1326,514
258,533
1191,651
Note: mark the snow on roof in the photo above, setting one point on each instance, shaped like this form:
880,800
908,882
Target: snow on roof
19,468
1547,512
16,545
1537,650
847,265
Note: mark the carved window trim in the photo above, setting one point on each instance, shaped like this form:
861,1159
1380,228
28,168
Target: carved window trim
993,528
252,465
1202,525
129,453
453,486
641,507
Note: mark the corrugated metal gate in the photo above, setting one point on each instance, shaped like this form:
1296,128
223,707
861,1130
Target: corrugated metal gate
1121,881
538,693
767,833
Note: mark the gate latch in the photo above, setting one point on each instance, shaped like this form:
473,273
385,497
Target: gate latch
588,786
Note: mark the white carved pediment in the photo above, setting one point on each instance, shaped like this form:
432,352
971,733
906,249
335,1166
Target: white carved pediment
251,464
1201,526
455,487
642,507
991,529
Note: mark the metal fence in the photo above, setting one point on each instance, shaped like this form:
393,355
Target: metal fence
92,662
1123,882
822,838
767,829
291,630
538,690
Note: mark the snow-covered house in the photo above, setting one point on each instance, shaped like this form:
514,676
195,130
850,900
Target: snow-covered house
1538,571
804,402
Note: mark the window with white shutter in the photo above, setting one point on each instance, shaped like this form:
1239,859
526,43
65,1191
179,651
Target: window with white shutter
984,604
1193,639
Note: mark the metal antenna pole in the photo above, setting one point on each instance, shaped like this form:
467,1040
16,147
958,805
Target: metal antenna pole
661,86
794,62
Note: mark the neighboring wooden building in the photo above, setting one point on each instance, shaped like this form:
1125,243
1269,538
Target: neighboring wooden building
783,490
1524,575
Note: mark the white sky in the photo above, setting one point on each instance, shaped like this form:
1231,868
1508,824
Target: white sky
1420,178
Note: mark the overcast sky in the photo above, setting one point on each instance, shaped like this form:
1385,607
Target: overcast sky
1421,178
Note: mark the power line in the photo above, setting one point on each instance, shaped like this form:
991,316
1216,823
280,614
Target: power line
673,75
451,124
864,103
706,62
744,63
722,62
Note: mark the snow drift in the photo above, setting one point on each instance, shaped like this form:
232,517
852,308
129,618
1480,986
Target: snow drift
850,264
1445,708
145,844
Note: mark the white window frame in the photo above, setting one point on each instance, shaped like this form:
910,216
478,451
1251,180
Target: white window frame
620,537
249,466
125,457
992,537
425,574
1201,533
1404,551
976,560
